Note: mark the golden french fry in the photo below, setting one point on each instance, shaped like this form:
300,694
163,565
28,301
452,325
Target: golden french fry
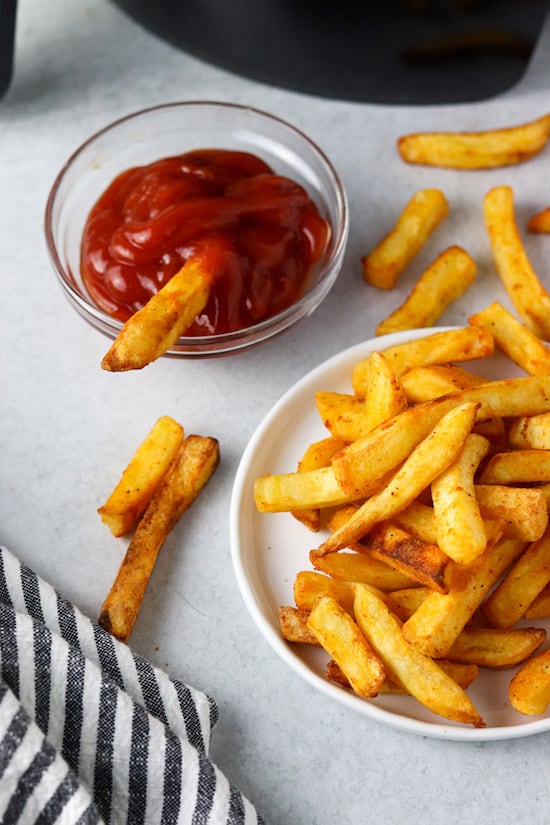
196,460
514,339
462,344
422,214
293,624
486,149
359,467
495,647
436,452
418,520
129,499
540,222
405,601
309,586
384,396
436,624
529,689
540,606
462,674
340,636
523,509
459,525
443,282
420,561
363,568
152,330
527,578
517,467
520,280
317,455
345,416
418,673
531,432
292,491
427,383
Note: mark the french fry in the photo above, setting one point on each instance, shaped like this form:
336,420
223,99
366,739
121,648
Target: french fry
442,283
293,491
422,214
462,674
540,222
459,525
540,606
359,467
527,578
436,624
486,149
341,638
345,416
363,568
514,339
426,383
523,509
195,462
405,601
419,674
420,561
436,452
495,647
293,623
532,432
317,455
462,344
310,586
152,330
384,396
517,467
529,689
520,280
418,519
141,478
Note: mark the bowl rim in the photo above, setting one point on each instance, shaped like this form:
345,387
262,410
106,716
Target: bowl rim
221,342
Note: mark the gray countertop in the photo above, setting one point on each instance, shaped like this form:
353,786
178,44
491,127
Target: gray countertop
67,428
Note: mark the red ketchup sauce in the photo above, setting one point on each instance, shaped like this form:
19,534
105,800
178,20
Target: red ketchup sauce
151,219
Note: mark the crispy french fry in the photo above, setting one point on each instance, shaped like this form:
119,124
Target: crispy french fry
196,460
129,499
529,690
520,280
494,647
418,519
345,416
462,674
540,222
420,561
359,467
422,214
514,339
151,331
517,467
527,578
293,623
532,432
434,454
384,396
426,383
486,149
444,281
405,601
310,585
440,619
340,636
317,455
361,567
419,674
459,525
462,344
540,606
292,491
523,509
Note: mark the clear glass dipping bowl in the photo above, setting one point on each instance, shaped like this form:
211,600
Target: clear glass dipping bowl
172,129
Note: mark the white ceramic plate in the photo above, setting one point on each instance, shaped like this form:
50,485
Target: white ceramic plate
269,549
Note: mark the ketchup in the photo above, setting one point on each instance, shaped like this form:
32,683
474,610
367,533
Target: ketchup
151,219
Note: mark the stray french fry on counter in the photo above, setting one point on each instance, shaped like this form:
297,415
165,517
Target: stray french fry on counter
437,523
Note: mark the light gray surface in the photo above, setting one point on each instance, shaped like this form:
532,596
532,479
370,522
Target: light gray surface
68,428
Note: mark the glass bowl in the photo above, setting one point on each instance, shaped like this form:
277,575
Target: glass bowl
172,129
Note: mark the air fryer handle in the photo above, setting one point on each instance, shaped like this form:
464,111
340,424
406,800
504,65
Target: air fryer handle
7,40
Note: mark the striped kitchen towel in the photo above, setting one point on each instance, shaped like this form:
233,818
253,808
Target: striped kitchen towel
90,732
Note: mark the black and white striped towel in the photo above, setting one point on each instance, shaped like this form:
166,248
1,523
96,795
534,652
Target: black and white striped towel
92,733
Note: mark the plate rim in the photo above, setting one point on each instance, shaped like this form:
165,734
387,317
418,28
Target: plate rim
241,488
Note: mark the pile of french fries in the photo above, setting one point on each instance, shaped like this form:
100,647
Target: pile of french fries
434,486
164,477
